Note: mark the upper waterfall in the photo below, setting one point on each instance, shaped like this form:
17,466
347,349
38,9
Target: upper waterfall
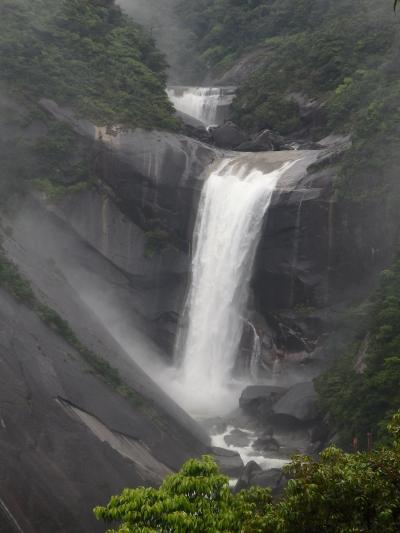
209,105
233,203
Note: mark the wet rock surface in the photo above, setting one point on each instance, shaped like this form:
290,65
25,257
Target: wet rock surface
300,402
259,399
229,462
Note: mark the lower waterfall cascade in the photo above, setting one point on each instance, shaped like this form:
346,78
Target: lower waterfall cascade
230,217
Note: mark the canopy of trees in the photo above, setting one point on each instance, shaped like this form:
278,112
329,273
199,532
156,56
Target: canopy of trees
85,54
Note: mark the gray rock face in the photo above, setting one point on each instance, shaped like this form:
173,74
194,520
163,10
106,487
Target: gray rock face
299,402
155,176
71,440
55,464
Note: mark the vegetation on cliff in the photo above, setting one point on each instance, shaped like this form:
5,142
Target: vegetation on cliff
361,392
338,493
16,284
87,55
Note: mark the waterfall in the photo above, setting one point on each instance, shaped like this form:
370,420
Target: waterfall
206,104
255,353
233,203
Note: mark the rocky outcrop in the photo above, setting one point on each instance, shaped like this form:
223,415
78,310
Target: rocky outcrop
229,462
140,214
264,141
300,402
153,175
259,399
229,136
253,476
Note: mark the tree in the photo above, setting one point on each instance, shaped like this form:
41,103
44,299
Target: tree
339,493
197,499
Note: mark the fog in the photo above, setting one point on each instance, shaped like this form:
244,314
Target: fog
160,19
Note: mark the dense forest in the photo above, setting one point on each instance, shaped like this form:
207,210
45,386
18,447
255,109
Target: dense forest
361,392
87,55
340,54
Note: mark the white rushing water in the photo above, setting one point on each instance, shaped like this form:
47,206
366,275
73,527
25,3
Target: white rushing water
247,453
205,104
229,222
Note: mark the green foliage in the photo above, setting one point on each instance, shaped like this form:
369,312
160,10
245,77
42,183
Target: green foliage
360,401
156,241
197,499
56,191
13,282
88,55
338,493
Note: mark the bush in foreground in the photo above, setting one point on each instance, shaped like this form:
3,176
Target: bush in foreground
339,493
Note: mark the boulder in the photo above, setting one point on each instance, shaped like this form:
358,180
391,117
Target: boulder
300,402
246,475
259,399
230,462
274,479
253,476
228,136
237,437
267,443
264,141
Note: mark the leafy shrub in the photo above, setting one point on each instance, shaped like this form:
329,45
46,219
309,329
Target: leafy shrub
11,280
156,241
338,493
361,392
